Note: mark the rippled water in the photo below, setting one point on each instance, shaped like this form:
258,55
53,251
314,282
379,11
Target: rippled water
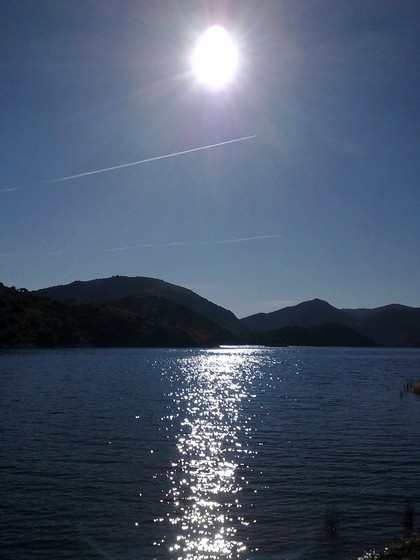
229,453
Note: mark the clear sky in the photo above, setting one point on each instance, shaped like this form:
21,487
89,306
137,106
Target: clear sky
323,202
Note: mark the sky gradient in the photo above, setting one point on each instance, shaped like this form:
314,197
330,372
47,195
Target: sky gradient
323,201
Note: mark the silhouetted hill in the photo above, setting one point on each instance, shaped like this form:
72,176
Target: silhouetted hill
106,290
360,314
28,320
306,314
123,311
391,325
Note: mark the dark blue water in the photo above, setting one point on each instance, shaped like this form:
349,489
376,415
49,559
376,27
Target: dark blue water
206,454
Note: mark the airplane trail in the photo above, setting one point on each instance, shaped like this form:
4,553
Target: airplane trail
143,246
190,244
147,160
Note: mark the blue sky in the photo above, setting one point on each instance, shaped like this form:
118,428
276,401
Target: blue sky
323,202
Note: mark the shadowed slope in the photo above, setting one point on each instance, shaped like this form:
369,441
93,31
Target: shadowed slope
106,290
392,325
306,314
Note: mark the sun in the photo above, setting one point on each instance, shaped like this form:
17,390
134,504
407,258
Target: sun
214,60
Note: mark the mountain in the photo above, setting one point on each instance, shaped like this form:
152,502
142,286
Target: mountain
391,325
141,311
29,320
106,290
306,314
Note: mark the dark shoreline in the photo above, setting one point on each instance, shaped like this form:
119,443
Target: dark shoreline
407,549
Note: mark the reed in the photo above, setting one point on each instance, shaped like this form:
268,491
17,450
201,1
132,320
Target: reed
332,520
408,515
410,387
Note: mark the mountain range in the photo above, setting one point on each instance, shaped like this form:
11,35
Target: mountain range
390,325
141,311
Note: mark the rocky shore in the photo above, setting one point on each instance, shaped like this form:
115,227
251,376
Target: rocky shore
407,549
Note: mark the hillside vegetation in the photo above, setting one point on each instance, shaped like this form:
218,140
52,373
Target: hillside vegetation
28,320
105,290
391,325
124,311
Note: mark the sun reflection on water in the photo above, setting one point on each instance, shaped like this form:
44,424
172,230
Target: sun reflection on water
212,441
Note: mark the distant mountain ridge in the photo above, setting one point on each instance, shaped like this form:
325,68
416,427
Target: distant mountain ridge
142,311
306,314
390,325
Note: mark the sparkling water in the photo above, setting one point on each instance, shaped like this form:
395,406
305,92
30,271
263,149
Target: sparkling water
246,453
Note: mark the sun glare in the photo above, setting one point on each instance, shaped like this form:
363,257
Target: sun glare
215,58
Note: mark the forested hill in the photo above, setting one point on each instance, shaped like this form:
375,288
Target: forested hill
392,325
29,320
123,311
106,290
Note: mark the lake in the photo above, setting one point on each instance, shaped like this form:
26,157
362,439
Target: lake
246,453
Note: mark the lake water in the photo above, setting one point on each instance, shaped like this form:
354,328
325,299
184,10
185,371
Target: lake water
228,453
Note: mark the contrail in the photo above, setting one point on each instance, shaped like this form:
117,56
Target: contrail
143,246
68,178
191,244
106,169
